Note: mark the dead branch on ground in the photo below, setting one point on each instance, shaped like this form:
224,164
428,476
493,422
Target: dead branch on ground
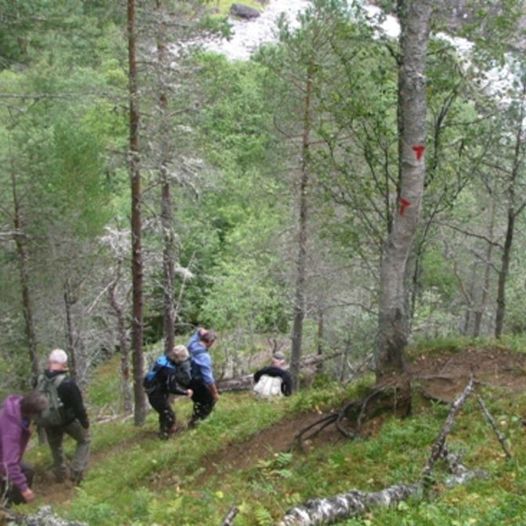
438,447
491,421
230,516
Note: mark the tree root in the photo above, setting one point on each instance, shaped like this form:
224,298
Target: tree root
390,397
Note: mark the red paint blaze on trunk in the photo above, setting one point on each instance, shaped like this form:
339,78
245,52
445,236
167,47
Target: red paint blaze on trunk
404,203
419,150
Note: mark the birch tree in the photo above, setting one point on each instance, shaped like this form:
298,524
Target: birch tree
415,17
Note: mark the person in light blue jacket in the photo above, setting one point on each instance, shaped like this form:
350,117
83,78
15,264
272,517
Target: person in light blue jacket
205,393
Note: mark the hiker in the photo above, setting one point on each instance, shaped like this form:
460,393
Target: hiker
273,380
170,375
16,477
66,415
203,384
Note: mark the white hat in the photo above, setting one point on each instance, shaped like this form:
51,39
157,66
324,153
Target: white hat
58,356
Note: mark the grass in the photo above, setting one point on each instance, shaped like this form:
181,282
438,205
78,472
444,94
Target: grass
453,343
223,6
135,479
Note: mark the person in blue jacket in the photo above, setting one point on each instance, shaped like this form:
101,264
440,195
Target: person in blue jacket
205,393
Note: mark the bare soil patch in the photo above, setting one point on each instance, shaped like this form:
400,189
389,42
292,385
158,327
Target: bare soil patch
444,376
266,444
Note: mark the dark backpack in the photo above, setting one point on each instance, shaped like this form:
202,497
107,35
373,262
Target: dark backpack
183,373
54,415
180,374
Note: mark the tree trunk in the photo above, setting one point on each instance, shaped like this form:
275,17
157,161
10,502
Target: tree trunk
166,190
123,344
503,274
512,216
27,305
393,320
70,330
481,308
468,292
301,261
320,342
136,223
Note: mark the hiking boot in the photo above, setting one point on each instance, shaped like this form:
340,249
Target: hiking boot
174,429
193,423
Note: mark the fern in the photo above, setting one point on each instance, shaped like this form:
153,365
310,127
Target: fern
263,516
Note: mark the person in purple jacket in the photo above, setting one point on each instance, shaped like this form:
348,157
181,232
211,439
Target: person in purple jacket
15,418
205,393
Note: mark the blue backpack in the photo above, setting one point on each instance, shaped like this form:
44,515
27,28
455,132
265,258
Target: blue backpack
180,373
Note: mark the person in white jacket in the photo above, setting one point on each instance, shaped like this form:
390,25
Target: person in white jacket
273,380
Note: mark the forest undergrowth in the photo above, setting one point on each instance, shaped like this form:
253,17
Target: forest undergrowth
241,455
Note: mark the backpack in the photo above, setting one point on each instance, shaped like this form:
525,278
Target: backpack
269,386
180,373
54,415
183,373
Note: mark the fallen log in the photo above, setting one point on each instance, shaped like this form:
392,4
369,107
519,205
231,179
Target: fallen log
241,383
44,516
346,505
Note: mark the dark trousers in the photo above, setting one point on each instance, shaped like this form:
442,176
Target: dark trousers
161,403
55,438
11,493
202,399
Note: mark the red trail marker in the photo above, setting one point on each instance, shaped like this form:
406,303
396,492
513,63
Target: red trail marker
404,203
419,150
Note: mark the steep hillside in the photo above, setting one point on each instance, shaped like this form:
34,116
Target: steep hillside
241,456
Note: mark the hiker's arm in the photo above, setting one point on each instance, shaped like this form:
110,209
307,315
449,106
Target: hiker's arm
213,391
286,386
12,454
261,372
71,396
204,364
194,340
174,387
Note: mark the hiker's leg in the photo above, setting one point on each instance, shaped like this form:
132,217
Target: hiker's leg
160,402
203,401
81,456
55,436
